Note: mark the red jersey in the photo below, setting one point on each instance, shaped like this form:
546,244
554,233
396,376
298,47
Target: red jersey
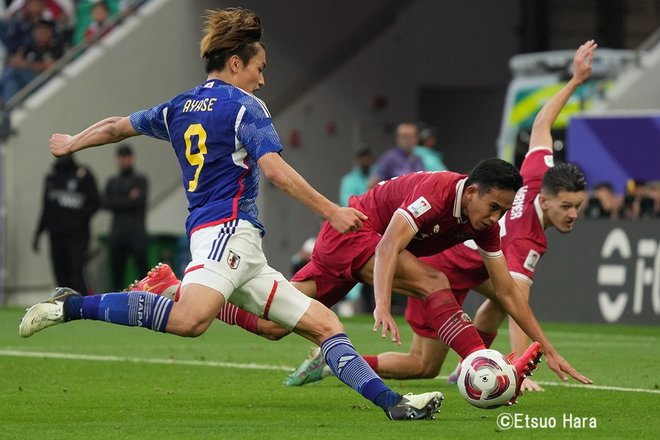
522,233
431,203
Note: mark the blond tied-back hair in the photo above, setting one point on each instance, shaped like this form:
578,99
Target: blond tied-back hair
227,32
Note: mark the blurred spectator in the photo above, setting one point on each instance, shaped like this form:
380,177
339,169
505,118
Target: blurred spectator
126,197
356,182
603,203
30,60
427,150
100,19
70,199
400,159
17,25
638,203
653,195
85,15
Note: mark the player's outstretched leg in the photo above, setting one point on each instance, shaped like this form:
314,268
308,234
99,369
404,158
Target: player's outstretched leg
135,309
525,365
488,339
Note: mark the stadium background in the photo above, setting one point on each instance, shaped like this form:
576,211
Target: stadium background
338,73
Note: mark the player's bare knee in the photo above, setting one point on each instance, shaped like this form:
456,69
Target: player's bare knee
271,331
193,328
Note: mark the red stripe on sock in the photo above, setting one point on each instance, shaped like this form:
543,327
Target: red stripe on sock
270,299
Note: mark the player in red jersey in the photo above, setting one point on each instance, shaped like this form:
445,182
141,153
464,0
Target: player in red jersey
551,196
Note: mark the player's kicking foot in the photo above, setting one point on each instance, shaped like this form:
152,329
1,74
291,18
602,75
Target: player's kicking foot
160,280
310,371
416,406
45,314
525,365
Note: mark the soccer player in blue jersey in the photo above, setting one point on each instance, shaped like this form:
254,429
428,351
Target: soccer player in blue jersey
223,137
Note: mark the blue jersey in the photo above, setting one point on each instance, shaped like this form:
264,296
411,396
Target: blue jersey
218,133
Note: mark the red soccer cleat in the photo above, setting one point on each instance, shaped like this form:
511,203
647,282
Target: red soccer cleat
160,280
525,365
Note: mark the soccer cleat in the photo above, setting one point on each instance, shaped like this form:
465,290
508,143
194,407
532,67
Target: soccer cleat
45,314
310,371
160,280
416,406
453,377
525,365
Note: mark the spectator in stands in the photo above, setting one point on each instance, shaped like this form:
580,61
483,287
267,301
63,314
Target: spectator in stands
638,203
603,203
70,199
126,198
356,182
653,194
30,60
427,150
100,20
18,22
400,159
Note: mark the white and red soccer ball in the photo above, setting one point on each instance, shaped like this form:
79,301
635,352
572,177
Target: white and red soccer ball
487,379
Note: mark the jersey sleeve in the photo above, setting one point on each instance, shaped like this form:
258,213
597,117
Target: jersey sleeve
254,128
489,242
522,255
152,122
421,205
537,161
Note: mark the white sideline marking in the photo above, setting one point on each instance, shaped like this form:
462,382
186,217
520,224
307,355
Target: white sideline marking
252,366
98,358
587,387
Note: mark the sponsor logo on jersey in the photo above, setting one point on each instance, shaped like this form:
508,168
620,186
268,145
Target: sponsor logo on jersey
233,260
419,207
531,260
518,203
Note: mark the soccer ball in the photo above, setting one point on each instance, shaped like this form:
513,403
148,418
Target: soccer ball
487,379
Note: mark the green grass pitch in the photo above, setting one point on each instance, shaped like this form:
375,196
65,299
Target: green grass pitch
231,388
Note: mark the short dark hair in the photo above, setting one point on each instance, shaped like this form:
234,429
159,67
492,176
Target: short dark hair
494,173
124,150
563,177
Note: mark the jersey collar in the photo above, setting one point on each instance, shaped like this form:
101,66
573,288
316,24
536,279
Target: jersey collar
539,211
457,202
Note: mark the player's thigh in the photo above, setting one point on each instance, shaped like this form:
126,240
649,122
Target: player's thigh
412,277
271,296
308,287
198,305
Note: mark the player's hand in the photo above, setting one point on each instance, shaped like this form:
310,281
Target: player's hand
583,60
561,367
529,385
384,318
347,219
60,144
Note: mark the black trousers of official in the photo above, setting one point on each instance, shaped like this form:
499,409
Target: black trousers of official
123,247
69,257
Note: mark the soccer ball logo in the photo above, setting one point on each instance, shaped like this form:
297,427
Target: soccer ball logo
487,379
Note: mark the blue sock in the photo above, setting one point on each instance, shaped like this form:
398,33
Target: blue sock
135,309
350,368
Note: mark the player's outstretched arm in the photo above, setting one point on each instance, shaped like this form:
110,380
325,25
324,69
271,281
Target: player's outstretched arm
284,177
541,130
107,131
514,303
396,238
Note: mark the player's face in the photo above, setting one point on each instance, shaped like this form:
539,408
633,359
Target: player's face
561,210
250,76
484,210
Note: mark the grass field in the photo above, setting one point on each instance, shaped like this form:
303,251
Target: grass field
93,380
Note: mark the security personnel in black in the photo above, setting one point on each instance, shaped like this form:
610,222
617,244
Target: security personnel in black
126,197
70,199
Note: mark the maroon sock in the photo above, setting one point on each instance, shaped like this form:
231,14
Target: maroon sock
454,326
372,361
488,338
234,315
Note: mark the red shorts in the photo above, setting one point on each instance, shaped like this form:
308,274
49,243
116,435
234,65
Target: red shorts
336,262
417,318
